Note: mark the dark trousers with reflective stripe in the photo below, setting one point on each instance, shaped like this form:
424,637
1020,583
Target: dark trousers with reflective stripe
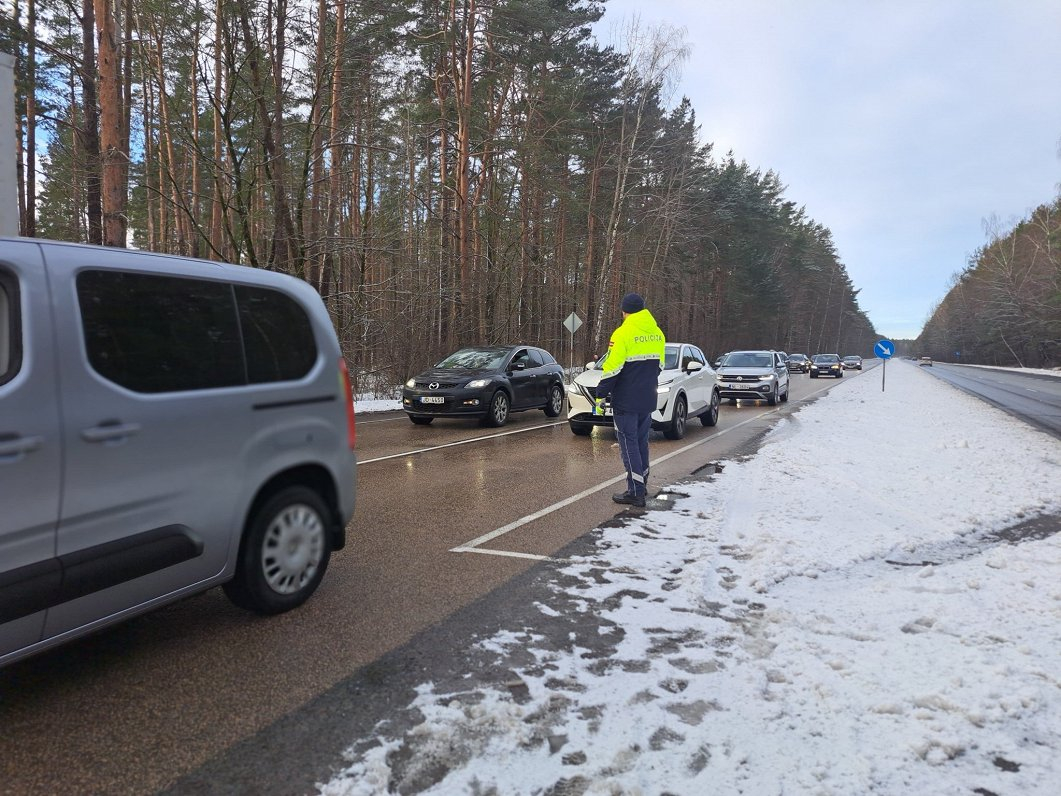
632,430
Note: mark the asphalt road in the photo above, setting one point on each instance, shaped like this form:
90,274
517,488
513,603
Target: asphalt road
446,514
1032,397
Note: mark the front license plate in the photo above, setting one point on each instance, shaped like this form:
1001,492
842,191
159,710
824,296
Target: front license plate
738,386
432,399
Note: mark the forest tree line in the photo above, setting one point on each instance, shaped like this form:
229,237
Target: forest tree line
444,172
1005,307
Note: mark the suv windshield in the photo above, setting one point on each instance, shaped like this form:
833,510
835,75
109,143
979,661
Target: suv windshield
749,359
475,358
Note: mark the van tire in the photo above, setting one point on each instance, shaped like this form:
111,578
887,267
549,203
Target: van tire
283,554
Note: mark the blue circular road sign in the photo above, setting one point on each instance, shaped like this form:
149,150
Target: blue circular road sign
884,349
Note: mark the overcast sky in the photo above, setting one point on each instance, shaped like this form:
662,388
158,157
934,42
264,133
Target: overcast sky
903,126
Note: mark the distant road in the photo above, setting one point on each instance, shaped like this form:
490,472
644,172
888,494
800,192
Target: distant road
1033,397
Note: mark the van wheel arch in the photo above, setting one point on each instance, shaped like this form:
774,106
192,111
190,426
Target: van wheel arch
313,477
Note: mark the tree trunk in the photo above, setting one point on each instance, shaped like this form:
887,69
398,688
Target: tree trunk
29,227
89,130
113,160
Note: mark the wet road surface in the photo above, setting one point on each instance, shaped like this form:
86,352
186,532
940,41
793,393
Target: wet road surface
447,514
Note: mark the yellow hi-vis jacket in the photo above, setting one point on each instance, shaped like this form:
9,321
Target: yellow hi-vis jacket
632,367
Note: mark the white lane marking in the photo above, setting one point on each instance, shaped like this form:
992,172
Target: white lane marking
471,547
506,553
486,537
459,442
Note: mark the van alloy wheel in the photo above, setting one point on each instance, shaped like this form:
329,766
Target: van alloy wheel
283,554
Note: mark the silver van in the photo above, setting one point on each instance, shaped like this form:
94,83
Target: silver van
166,425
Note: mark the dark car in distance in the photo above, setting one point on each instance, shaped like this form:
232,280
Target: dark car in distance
798,363
488,382
826,365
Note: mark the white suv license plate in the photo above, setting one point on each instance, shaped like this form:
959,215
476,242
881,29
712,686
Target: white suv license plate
740,386
432,399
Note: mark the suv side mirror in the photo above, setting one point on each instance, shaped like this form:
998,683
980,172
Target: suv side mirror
694,366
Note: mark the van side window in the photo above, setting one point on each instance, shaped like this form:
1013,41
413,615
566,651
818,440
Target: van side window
277,335
152,333
10,328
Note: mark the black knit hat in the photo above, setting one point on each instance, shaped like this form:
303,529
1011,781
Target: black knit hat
633,302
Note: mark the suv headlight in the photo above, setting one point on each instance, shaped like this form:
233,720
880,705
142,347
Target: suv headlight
477,383
411,382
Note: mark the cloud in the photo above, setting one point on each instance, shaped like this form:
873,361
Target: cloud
899,125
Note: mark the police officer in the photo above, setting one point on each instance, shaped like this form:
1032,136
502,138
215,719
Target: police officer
631,371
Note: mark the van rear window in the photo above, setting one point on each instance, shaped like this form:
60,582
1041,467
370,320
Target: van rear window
277,335
155,333
152,333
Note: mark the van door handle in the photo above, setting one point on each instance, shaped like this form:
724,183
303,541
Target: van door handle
109,431
13,448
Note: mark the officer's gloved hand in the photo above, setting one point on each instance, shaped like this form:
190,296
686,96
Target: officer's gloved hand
598,406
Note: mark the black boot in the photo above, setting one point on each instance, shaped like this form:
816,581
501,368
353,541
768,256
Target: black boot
629,499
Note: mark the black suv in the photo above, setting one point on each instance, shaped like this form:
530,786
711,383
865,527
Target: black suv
488,382
798,363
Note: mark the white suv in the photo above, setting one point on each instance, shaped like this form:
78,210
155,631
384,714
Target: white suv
687,389
755,376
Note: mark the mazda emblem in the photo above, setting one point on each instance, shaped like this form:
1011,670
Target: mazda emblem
433,385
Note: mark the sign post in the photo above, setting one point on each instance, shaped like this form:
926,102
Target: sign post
572,322
884,350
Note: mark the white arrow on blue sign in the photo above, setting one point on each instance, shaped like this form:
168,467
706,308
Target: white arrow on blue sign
884,349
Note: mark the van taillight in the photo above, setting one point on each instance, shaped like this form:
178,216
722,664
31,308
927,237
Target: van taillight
344,383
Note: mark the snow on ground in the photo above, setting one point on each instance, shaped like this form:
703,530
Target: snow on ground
836,615
369,405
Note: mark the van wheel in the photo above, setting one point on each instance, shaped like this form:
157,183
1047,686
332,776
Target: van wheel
283,554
